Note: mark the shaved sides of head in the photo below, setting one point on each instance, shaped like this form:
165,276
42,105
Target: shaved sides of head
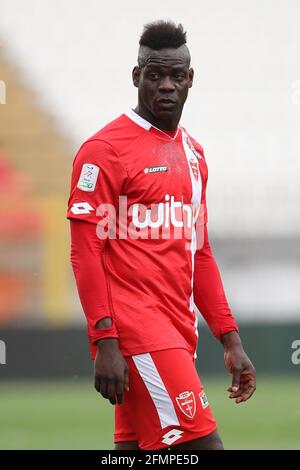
161,35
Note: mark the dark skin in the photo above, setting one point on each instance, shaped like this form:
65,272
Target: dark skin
163,79
163,84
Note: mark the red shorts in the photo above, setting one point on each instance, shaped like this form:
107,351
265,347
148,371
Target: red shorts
166,404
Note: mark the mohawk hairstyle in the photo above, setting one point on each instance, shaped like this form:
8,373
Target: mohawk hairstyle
161,34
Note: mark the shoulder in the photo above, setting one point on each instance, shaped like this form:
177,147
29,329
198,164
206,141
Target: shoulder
115,135
106,144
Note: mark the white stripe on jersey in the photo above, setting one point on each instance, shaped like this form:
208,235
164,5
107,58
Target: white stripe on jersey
196,199
158,392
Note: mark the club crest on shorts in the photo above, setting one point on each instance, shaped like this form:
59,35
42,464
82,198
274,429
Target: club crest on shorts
187,403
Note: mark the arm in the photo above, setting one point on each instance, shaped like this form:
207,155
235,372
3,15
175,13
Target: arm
111,371
210,299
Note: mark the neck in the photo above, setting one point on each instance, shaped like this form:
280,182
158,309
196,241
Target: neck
169,124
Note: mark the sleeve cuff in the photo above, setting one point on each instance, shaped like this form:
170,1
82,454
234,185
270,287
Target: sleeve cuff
227,329
97,333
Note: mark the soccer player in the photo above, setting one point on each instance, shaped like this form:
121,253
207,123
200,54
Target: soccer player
142,260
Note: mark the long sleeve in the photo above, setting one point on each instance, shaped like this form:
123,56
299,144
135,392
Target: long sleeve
97,180
209,295
86,260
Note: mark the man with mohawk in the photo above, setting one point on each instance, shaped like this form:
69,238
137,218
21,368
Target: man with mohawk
142,260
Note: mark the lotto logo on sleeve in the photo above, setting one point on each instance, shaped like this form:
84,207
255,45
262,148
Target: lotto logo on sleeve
81,208
88,177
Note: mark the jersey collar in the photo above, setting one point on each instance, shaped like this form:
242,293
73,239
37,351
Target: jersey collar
147,125
138,119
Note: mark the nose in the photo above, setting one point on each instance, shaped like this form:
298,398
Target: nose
166,85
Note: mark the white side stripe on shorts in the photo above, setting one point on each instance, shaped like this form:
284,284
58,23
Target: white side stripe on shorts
155,386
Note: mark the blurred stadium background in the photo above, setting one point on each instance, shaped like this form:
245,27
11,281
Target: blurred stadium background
64,72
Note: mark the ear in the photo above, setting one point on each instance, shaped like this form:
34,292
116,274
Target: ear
136,73
191,77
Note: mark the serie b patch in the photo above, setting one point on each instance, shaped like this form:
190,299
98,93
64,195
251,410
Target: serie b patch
88,177
203,399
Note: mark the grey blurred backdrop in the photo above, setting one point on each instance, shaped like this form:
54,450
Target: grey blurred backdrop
65,72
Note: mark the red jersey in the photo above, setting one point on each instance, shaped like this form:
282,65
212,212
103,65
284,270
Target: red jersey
143,191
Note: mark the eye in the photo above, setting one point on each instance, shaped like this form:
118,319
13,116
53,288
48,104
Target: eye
179,76
154,75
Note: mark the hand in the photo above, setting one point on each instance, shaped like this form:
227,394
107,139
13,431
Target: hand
111,371
239,365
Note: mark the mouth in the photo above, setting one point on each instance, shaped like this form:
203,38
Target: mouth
166,104
166,101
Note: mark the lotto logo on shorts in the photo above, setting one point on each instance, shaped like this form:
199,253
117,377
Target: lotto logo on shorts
172,436
203,399
187,403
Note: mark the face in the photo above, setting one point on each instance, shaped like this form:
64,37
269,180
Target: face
164,81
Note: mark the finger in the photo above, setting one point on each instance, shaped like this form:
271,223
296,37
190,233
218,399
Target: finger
111,392
239,400
236,394
236,378
231,389
248,392
126,379
97,384
242,389
242,398
103,388
119,392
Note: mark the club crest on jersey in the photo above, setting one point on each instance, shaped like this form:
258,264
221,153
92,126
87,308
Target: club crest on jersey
203,399
194,166
192,148
187,403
